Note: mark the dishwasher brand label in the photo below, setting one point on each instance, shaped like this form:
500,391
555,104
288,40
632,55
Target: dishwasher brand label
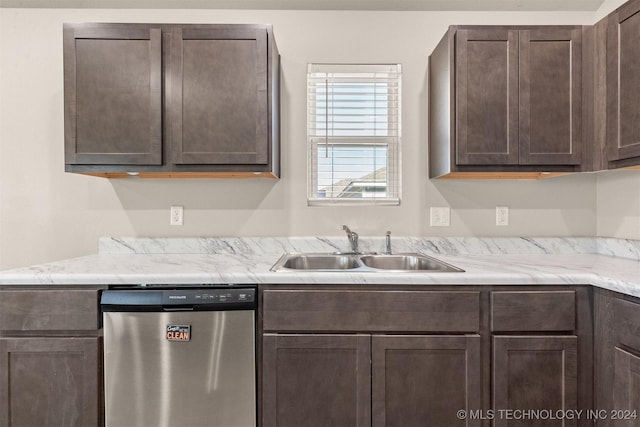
179,333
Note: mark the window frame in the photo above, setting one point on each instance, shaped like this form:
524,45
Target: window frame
391,139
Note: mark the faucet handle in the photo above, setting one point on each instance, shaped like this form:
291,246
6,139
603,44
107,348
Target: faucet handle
387,248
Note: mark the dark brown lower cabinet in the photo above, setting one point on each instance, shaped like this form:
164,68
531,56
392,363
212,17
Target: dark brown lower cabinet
426,357
617,359
534,373
316,380
363,380
51,381
425,380
626,389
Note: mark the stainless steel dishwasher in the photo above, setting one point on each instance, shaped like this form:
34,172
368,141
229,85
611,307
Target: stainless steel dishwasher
180,357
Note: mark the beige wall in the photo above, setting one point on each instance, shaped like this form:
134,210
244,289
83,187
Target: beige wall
618,204
46,214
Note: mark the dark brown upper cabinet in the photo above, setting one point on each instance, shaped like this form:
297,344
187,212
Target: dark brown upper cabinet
550,115
218,96
171,100
623,83
113,95
506,102
486,97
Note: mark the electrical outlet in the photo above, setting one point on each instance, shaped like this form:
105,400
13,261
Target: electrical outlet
439,217
502,215
177,215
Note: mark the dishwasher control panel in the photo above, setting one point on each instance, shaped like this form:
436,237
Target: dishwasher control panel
207,296
179,299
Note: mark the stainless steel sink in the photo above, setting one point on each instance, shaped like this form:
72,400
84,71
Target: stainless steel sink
412,262
406,262
320,262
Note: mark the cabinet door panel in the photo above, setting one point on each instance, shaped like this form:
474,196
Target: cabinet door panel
49,382
626,318
425,380
218,96
535,373
316,380
550,97
487,97
623,83
626,389
113,105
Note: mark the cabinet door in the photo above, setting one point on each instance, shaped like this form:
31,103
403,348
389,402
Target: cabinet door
623,83
217,91
113,90
487,97
534,373
425,380
550,97
316,380
49,382
626,389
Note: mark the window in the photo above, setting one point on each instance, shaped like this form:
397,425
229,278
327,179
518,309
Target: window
353,133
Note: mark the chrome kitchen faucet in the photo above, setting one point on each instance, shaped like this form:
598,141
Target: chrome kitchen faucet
353,239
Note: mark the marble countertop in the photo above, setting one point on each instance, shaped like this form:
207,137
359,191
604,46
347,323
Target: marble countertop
525,261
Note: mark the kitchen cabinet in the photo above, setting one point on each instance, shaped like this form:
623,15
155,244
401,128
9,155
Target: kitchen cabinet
536,338
617,355
416,355
626,391
425,380
317,380
113,95
535,373
317,372
364,380
506,101
171,100
623,82
50,358
49,381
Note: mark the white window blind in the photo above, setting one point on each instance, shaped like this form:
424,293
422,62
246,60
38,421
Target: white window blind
353,133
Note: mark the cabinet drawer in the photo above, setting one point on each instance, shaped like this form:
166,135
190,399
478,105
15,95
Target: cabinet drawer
347,311
48,310
533,311
626,318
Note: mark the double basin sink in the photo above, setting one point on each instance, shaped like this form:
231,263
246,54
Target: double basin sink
410,262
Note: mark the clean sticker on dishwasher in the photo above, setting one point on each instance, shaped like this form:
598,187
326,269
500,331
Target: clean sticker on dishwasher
179,333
